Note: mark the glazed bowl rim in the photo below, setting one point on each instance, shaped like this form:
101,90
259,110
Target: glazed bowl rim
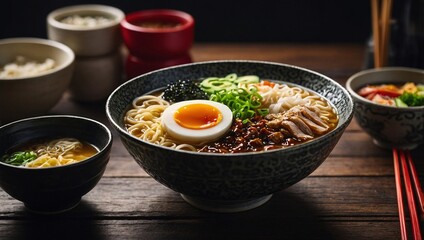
75,9
126,22
340,126
69,59
79,118
356,96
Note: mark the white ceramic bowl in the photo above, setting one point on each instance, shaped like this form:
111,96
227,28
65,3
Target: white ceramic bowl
388,126
93,40
34,95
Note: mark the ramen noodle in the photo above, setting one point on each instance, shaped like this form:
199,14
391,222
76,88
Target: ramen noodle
266,115
57,152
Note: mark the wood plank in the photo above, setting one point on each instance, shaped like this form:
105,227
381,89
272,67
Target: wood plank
340,59
215,227
329,208
358,144
143,197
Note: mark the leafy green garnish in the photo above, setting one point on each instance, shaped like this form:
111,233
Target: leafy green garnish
19,158
242,103
412,99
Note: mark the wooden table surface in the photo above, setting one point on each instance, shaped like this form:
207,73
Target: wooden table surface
351,195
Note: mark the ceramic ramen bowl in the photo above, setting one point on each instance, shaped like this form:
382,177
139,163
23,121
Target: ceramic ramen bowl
34,74
88,29
53,189
401,127
158,33
229,182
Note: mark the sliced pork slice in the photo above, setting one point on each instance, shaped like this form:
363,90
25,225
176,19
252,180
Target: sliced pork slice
316,129
311,115
301,125
295,130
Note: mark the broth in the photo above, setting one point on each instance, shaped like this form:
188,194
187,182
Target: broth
49,153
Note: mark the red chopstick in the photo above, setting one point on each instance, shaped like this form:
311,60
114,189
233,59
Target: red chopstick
409,192
417,184
398,180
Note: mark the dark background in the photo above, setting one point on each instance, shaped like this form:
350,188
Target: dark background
221,20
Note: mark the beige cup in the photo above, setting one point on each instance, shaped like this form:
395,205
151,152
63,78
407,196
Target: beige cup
92,31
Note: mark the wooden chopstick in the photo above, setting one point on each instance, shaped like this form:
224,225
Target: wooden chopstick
416,229
380,17
375,16
386,9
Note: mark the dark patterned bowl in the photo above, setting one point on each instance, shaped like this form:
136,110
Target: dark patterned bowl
388,126
229,182
54,189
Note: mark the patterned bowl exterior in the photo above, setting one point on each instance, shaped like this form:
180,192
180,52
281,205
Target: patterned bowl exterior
388,126
239,176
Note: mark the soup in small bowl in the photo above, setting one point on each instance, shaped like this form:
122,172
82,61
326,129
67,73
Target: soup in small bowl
50,162
226,157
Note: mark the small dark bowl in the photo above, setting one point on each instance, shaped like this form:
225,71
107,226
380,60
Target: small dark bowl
229,182
55,189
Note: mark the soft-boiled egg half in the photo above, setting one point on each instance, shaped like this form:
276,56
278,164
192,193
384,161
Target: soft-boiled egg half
197,121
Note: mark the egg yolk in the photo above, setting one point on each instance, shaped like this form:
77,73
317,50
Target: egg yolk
198,116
